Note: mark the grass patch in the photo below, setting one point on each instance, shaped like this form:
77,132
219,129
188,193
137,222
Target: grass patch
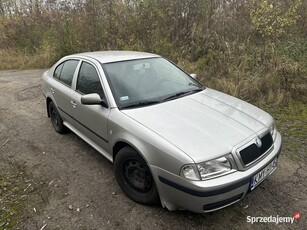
12,199
19,195
291,121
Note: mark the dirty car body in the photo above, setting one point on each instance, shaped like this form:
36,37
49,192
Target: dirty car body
170,138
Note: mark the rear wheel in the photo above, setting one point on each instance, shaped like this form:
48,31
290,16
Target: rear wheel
56,119
134,177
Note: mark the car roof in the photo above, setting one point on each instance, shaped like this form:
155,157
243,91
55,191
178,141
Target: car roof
115,56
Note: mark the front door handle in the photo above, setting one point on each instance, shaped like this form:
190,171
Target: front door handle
52,90
74,104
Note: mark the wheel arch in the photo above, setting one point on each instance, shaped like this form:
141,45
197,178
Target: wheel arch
119,145
48,100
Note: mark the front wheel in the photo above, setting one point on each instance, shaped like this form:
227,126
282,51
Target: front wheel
133,176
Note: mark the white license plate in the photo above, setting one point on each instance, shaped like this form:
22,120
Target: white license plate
264,173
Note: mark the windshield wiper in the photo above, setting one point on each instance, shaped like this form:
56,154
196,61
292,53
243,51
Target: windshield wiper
177,95
141,103
181,94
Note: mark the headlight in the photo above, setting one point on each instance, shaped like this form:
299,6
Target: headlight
190,172
214,168
273,131
209,169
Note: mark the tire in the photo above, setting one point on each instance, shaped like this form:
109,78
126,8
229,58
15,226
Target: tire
134,177
56,119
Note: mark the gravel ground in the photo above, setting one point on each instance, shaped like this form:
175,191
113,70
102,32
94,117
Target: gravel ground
53,181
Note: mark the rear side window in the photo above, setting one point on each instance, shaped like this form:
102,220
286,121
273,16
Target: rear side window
88,80
65,71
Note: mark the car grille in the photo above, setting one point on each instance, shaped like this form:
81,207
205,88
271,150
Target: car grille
252,152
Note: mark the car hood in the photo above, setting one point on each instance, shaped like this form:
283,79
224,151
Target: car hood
204,125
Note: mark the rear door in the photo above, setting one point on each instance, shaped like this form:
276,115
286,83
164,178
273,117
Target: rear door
92,120
60,87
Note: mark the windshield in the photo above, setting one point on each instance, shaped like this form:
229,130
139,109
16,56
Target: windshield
148,81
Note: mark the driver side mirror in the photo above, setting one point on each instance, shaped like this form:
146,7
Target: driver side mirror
193,75
93,99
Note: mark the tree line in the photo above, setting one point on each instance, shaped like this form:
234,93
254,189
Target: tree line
219,39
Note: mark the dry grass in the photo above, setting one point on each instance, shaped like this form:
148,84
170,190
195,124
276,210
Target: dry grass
11,59
283,81
259,91
277,81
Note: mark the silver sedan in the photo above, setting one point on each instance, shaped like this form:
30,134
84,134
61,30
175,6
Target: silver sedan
171,139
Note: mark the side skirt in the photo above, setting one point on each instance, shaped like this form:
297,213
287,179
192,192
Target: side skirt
87,140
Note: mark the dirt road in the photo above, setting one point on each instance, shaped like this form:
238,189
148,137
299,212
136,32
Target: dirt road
54,181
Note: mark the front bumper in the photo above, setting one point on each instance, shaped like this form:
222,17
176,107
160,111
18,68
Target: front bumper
206,196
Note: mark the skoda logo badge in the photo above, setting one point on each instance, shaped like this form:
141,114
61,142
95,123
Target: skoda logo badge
258,142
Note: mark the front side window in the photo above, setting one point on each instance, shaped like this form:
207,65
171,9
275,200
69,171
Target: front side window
88,80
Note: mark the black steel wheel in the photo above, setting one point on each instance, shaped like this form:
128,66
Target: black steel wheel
134,177
56,119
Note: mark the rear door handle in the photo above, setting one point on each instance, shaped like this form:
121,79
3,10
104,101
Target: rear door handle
74,104
52,90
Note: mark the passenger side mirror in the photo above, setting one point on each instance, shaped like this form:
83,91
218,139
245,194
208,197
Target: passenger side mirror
93,99
104,103
193,75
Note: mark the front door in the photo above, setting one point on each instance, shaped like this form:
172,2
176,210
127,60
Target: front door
91,120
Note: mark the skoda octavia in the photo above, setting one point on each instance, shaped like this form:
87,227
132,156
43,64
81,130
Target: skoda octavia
171,139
